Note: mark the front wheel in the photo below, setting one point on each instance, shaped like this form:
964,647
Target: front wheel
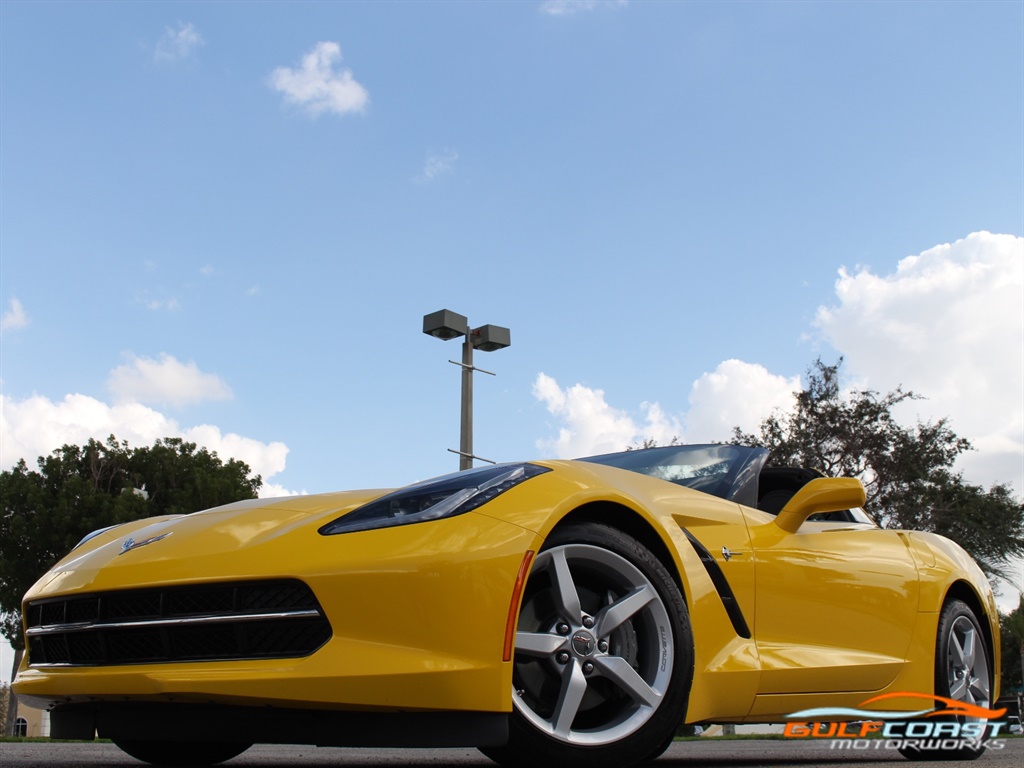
181,753
603,655
962,674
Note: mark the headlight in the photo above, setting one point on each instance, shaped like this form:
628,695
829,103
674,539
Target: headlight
434,499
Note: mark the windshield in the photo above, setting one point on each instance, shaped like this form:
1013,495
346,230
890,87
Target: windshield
727,471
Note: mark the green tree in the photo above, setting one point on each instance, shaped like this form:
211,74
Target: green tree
907,471
1011,633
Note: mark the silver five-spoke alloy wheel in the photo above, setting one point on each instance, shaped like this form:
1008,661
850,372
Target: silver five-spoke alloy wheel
967,664
594,650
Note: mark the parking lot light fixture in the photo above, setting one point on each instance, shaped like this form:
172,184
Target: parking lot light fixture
489,338
446,325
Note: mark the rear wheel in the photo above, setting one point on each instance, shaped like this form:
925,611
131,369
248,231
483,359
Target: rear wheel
603,656
962,674
182,753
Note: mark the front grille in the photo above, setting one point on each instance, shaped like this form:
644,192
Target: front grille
244,620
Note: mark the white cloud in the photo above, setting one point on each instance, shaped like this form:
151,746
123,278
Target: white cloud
735,394
165,381
317,86
177,44
36,426
947,323
155,305
570,7
156,300
274,490
436,165
14,318
592,426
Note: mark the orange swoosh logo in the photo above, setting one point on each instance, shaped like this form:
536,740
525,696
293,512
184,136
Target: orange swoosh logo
954,707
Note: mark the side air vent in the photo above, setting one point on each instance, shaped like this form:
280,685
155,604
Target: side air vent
725,593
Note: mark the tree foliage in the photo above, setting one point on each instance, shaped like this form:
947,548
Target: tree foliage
907,471
5,695
45,512
1011,633
651,442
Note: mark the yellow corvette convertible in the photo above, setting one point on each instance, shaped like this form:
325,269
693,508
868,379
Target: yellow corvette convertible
570,613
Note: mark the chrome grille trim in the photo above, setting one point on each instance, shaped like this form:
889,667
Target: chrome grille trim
56,628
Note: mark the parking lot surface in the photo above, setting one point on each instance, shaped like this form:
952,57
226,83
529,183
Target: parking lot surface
693,754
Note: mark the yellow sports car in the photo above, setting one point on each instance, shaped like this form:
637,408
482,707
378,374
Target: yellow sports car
570,613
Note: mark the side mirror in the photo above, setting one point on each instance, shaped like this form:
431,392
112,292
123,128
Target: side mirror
824,494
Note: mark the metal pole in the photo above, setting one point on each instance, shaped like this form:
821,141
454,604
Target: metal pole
466,431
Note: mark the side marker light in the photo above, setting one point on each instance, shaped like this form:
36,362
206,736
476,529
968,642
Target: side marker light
513,606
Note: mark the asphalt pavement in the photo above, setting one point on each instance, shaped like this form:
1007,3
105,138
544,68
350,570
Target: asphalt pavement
692,754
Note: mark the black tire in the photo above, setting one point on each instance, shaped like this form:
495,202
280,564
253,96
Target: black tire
182,753
604,655
661,749
961,673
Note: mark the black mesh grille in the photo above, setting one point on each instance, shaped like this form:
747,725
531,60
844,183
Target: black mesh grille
85,646
82,610
129,606
53,613
246,620
135,645
285,595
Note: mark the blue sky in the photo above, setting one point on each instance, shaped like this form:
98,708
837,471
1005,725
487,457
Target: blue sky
227,220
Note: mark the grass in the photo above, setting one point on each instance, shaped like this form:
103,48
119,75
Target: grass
47,740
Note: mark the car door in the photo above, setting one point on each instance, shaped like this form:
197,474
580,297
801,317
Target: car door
836,604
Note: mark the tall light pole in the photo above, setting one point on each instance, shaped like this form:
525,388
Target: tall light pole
445,325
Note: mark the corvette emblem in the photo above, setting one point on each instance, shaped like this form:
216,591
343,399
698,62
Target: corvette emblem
583,643
729,555
130,543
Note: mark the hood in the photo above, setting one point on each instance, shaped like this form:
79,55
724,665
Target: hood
225,540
